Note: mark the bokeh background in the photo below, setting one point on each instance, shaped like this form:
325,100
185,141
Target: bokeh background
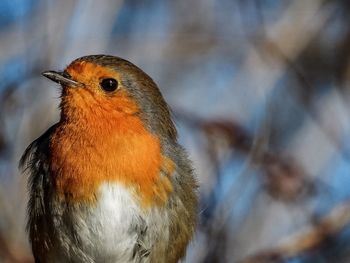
260,94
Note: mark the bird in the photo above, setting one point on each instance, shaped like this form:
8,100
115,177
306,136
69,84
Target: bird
109,182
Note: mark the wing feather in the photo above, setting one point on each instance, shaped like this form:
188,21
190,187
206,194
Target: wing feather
35,162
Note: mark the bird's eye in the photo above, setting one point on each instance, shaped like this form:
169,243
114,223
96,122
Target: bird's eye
109,84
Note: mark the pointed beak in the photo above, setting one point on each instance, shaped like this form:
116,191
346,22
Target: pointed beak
61,78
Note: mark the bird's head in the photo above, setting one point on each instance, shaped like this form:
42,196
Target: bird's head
109,89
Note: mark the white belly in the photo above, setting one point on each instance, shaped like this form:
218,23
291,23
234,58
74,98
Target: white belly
109,226
110,231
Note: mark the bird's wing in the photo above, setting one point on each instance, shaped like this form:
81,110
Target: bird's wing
35,161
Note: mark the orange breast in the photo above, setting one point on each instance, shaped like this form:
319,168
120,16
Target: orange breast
102,146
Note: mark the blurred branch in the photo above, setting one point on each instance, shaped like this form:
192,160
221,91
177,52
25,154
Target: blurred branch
12,255
283,177
307,239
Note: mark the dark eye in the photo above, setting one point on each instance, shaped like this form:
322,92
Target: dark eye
109,84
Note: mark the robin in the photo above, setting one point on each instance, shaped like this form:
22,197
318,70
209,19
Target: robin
109,182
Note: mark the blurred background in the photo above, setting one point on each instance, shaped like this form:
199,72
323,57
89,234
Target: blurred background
260,94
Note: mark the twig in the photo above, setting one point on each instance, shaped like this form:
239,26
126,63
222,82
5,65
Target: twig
307,239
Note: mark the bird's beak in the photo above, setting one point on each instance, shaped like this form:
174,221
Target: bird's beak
61,78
